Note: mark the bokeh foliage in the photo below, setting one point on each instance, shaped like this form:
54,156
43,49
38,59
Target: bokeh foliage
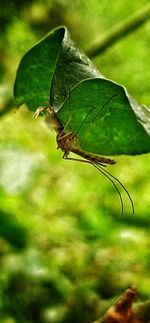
65,252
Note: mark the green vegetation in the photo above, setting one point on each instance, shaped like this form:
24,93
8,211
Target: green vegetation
65,252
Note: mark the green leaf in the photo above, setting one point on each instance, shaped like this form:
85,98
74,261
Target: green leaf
72,67
49,70
110,124
36,69
56,71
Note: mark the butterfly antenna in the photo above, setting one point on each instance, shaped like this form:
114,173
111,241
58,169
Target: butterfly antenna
107,174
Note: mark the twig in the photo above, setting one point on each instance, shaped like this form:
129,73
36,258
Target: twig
6,106
124,312
119,31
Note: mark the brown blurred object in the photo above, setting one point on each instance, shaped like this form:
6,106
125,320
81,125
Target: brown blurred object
121,311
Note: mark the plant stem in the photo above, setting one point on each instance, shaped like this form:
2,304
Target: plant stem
119,31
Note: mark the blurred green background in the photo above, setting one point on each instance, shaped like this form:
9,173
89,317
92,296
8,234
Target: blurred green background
65,252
